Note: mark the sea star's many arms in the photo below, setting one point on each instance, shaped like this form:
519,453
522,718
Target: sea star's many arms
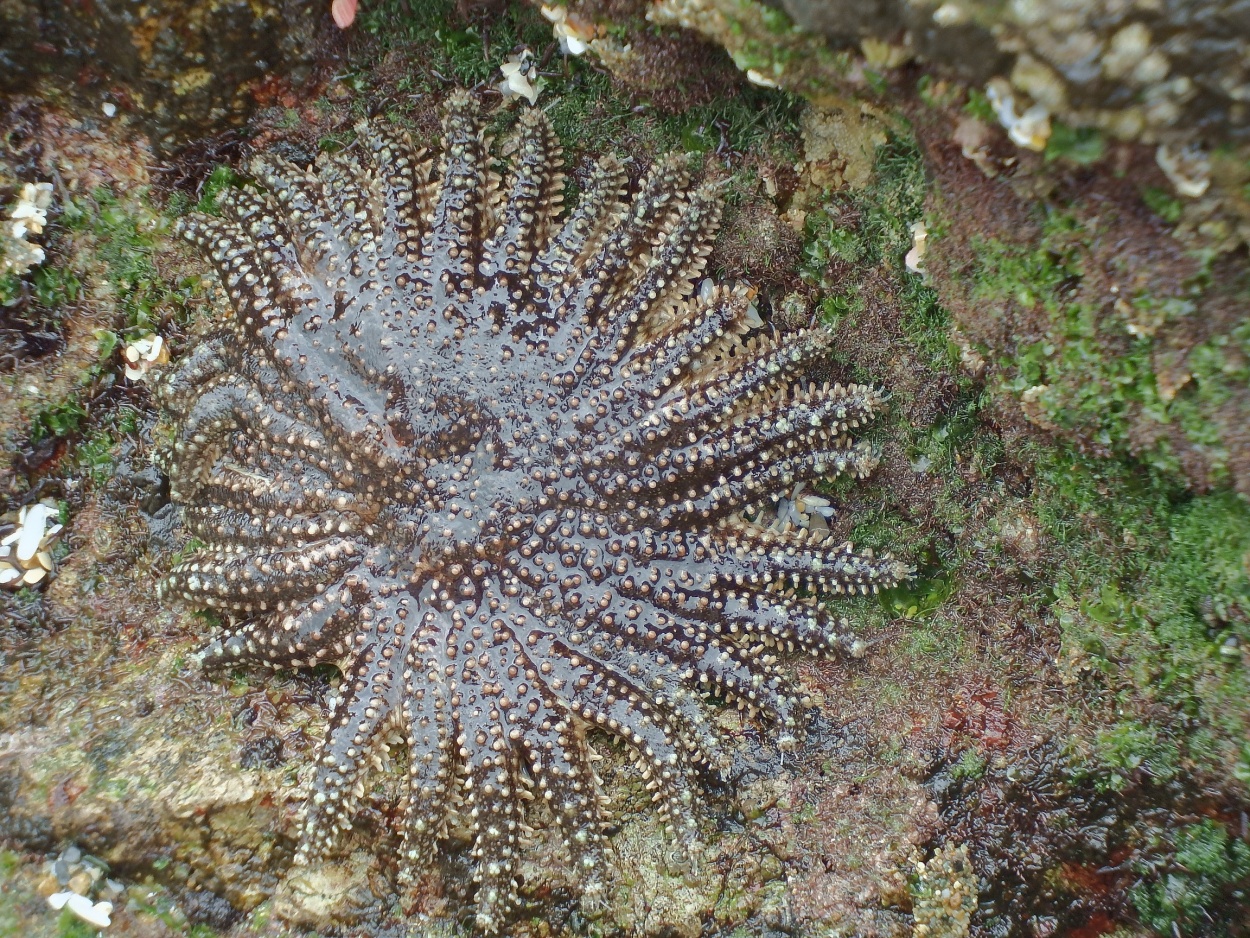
495,461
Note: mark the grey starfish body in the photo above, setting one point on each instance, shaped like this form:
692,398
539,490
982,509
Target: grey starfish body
495,461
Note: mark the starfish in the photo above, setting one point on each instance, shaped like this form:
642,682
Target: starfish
499,463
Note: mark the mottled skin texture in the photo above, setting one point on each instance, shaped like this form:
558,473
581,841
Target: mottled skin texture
495,462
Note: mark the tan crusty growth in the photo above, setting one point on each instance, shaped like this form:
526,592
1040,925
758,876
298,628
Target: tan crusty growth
497,461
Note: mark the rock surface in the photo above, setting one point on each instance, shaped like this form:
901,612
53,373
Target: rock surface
1058,700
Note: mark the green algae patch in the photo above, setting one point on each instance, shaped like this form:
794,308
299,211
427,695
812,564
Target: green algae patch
1146,582
722,887
102,289
1092,373
1190,871
1153,598
1078,303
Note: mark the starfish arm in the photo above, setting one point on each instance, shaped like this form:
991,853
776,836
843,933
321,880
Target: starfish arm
491,766
790,623
177,389
742,486
601,698
764,559
369,705
314,634
763,367
255,294
454,229
597,211
404,174
299,196
558,761
534,190
426,711
804,421
248,583
616,640
665,278
614,266
672,357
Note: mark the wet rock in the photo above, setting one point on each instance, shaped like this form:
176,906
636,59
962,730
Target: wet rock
202,907
326,894
966,45
725,883
840,146
265,751
181,69
1166,71
1051,848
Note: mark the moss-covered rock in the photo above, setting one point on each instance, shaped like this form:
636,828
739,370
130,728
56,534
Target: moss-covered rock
1062,689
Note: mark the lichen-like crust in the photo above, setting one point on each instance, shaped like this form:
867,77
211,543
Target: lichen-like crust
497,461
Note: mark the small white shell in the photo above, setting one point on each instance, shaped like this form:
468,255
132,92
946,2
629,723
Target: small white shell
33,521
93,913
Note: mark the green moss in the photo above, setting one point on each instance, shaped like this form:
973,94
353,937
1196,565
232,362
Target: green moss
936,643
1104,371
868,231
978,106
54,287
10,862
161,906
1079,145
1148,582
1163,203
971,765
69,925
887,206
885,211
919,597
258,921
775,21
220,179
587,111
463,53
95,457
1092,374
58,420
1152,593
749,120
1196,868
938,94
1130,747
121,236
125,237
757,36
10,288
